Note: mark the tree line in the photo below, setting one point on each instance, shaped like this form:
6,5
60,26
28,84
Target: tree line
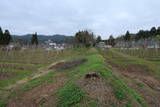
140,35
153,33
5,37
85,38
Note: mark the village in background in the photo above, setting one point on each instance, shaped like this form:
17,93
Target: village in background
144,39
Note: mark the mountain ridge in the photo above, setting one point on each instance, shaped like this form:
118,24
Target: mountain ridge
57,38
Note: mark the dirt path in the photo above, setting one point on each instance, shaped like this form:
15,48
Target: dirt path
36,75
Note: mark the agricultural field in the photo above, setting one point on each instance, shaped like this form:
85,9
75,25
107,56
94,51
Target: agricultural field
79,78
152,55
16,65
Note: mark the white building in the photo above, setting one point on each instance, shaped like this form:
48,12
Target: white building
103,45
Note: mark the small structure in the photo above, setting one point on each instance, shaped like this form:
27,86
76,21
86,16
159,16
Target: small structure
49,45
103,45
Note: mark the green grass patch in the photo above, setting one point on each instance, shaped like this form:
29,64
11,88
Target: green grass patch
140,84
69,96
3,102
95,63
37,81
20,75
129,104
122,91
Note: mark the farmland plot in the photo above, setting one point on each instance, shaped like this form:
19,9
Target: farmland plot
16,65
138,72
85,78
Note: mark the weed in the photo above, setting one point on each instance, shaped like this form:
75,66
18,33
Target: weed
70,96
129,104
140,84
3,102
120,94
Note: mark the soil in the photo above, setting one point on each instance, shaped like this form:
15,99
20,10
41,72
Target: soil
38,74
151,89
56,65
44,94
92,75
68,64
18,67
98,89
39,95
7,75
138,72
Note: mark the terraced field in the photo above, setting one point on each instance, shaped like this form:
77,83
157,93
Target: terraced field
24,63
138,72
78,78
152,55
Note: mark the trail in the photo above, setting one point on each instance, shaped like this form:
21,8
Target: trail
35,75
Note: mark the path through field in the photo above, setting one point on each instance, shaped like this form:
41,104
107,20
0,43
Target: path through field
36,75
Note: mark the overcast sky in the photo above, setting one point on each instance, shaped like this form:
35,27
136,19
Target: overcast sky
103,17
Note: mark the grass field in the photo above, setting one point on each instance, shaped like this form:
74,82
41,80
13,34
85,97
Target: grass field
104,78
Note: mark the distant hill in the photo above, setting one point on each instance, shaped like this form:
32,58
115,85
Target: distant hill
41,38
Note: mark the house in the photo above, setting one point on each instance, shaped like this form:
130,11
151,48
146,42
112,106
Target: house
49,45
103,45
100,45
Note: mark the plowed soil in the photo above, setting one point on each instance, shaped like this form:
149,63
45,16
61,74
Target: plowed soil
7,75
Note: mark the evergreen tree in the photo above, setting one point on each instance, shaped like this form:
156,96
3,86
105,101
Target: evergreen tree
141,35
7,37
111,41
153,31
1,36
127,36
98,39
34,40
158,31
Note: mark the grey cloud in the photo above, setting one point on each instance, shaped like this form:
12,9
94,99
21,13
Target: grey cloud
104,17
